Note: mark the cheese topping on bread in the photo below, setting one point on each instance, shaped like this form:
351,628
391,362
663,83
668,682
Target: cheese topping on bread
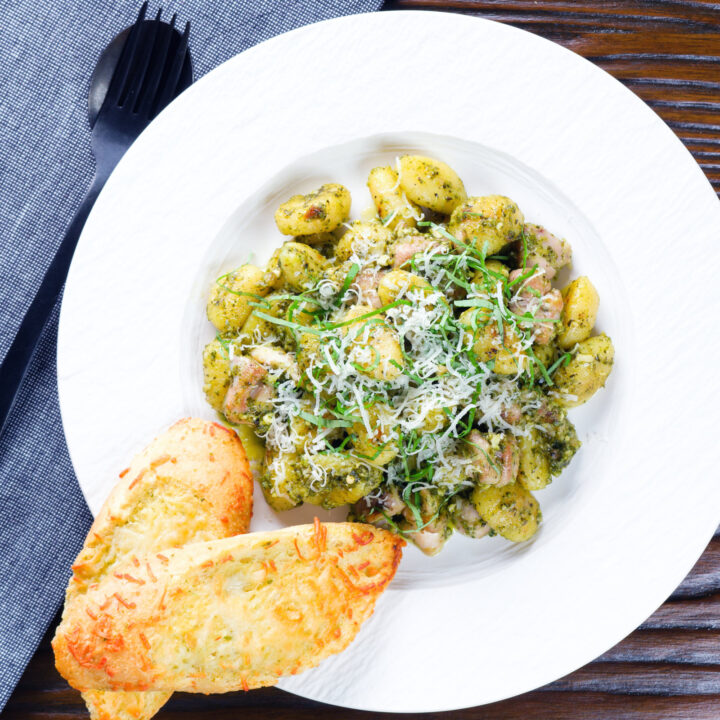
228,614
191,483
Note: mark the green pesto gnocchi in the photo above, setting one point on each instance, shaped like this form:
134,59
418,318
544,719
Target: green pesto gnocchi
580,307
301,266
487,223
320,211
391,202
431,183
416,364
229,305
216,373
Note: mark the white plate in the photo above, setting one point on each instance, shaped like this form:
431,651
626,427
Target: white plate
514,114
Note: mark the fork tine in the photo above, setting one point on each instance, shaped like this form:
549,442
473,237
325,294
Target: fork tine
157,67
131,93
167,90
122,69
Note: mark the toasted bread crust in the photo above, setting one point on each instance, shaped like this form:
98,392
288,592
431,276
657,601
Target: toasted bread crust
191,483
106,705
227,614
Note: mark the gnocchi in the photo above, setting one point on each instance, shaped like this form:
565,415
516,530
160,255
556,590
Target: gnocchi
216,374
230,300
511,511
393,207
580,307
300,265
431,183
393,363
320,211
586,372
487,223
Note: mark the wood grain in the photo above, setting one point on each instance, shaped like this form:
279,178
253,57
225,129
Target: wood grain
668,53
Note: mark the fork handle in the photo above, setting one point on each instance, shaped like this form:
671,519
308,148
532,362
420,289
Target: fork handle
15,365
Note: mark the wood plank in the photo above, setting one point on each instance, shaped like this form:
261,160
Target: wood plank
694,614
700,142
650,45
702,148
674,112
695,647
712,131
690,95
707,159
596,15
704,578
272,704
554,705
673,69
634,678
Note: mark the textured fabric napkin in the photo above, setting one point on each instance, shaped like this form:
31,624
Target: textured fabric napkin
47,54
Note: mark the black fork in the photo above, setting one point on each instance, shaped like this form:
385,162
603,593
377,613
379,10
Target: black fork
152,70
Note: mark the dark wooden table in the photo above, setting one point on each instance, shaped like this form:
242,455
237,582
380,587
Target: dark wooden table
668,52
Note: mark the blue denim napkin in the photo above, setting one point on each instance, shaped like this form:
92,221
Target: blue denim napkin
47,54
